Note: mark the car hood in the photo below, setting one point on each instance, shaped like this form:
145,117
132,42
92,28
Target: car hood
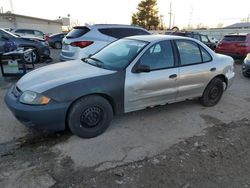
32,38
51,76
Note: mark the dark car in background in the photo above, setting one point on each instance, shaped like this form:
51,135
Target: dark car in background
234,45
246,66
203,38
10,41
55,40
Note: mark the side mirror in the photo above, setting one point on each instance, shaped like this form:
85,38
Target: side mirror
142,68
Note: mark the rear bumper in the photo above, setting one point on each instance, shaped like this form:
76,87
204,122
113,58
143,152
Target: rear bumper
78,54
51,116
232,54
65,58
44,51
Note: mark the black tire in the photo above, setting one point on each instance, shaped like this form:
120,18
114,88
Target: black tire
90,116
212,93
245,75
58,45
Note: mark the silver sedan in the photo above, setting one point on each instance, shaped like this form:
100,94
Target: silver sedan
130,74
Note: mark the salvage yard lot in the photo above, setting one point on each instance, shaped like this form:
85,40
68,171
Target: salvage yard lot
61,159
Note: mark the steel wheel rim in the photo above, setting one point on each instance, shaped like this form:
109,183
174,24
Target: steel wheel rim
91,117
214,93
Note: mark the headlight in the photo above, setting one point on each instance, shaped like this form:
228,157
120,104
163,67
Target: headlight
33,98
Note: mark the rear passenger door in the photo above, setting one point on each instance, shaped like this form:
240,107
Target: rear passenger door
196,69
159,85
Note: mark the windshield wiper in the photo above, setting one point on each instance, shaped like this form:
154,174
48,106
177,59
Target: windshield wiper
99,63
95,62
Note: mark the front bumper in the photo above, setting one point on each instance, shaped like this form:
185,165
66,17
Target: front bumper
51,116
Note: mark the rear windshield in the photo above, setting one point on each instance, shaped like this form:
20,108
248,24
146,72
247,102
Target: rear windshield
77,32
234,38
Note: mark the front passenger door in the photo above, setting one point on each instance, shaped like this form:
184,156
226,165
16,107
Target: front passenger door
159,85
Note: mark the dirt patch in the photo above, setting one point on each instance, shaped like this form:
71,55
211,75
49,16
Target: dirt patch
30,162
219,158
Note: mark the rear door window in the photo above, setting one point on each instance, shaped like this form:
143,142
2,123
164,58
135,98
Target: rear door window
77,32
196,36
189,52
107,31
38,33
122,32
29,32
206,57
19,31
204,38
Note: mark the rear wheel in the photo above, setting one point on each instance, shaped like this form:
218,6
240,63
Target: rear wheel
212,93
90,116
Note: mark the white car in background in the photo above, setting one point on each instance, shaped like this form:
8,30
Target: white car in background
29,33
83,41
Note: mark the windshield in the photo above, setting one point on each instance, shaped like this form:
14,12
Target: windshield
8,34
234,38
118,54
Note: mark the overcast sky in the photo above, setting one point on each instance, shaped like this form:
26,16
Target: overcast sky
207,12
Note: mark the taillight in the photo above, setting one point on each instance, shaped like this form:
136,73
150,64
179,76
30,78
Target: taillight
47,38
81,44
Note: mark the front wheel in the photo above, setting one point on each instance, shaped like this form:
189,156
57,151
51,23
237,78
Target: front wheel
31,58
90,116
212,93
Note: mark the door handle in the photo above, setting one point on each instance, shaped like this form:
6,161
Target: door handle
213,69
173,76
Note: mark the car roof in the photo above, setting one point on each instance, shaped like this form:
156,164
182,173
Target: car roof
155,38
102,26
26,29
237,34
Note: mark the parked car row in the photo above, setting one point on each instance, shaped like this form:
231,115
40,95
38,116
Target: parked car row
203,38
55,40
235,45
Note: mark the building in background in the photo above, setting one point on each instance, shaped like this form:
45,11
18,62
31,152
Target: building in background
218,33
10,20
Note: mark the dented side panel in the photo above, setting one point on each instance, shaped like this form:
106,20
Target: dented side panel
149,89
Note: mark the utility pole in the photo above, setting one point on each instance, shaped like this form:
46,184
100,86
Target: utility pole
11,7
170,15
